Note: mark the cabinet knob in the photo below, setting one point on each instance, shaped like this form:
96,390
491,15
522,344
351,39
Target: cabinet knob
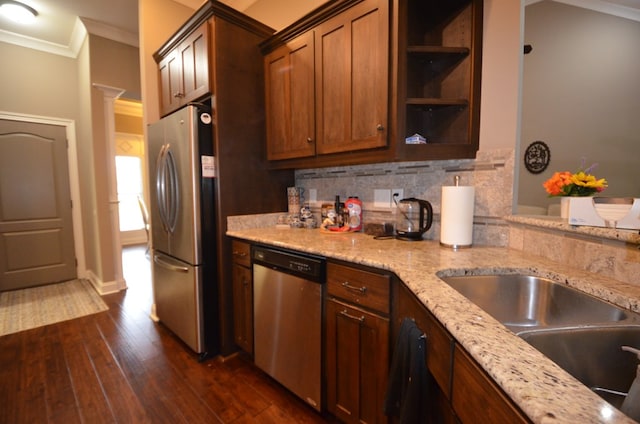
178,95
309,140
380,127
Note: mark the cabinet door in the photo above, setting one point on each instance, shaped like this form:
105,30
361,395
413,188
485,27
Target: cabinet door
184,72
171,90
477,398
243,307
352,57
194,55
357,361
290,96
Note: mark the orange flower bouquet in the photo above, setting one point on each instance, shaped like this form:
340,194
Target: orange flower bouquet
581,183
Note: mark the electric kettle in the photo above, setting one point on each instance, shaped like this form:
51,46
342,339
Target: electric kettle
413,218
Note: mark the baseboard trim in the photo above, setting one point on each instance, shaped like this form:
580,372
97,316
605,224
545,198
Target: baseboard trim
104,288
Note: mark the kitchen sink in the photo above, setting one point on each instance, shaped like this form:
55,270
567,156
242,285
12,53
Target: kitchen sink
584,335
525,302
593,356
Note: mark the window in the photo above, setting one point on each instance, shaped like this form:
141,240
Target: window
129,176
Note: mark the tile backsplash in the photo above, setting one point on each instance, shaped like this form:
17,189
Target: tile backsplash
491,173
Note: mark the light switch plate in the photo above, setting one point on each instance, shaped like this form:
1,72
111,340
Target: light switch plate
381,198
313,195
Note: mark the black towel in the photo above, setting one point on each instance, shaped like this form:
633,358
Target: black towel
407,388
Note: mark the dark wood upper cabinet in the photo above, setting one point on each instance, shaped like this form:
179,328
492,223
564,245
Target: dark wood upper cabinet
384,71
439,65
289,81
184,71
352,56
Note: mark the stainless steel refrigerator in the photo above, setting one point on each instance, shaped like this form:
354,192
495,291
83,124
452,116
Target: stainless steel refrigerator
182,207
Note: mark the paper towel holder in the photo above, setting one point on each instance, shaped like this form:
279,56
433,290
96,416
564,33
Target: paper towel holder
447,239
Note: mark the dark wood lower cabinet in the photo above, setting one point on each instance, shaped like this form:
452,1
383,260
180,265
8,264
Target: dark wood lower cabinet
357,363
242,280
460,391
476,398
363,312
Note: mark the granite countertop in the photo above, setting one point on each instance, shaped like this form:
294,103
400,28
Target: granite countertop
556,223
545,392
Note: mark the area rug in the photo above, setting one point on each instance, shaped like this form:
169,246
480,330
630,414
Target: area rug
38,306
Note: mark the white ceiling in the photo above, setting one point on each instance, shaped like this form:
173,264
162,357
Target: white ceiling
61,25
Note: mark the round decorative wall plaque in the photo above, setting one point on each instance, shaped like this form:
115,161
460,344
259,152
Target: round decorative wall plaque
537,157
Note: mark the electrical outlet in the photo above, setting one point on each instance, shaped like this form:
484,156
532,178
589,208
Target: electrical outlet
397,194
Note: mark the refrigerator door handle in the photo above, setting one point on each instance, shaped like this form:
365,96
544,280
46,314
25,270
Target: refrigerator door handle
161,186
173,190
158,260
167,189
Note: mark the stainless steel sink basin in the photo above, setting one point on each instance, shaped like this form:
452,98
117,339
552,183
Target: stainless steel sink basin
579,332
523,302
593,356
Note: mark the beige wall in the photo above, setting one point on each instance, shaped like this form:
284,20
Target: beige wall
37,83
279,14
581,96
115,65
501,65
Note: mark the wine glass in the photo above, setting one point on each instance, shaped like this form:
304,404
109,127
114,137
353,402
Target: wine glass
612,209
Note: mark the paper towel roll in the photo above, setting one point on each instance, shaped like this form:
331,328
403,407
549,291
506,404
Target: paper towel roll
456,216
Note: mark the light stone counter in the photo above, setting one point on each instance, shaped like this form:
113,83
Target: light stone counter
545,392
558,224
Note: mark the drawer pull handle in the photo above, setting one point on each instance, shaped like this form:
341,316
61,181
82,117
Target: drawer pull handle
346,314
241,254
348,286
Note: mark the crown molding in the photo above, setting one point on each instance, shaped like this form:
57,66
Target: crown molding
37,44
81,28
112,33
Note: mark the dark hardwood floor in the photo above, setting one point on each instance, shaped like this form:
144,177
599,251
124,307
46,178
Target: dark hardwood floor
119,366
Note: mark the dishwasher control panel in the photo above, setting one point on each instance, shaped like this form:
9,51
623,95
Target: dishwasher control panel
309,267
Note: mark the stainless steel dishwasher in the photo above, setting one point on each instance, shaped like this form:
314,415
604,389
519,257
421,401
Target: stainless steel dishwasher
287,307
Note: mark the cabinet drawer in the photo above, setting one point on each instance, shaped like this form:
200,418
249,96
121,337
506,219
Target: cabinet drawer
364,288
241,252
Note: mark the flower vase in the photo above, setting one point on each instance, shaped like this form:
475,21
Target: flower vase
565,203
